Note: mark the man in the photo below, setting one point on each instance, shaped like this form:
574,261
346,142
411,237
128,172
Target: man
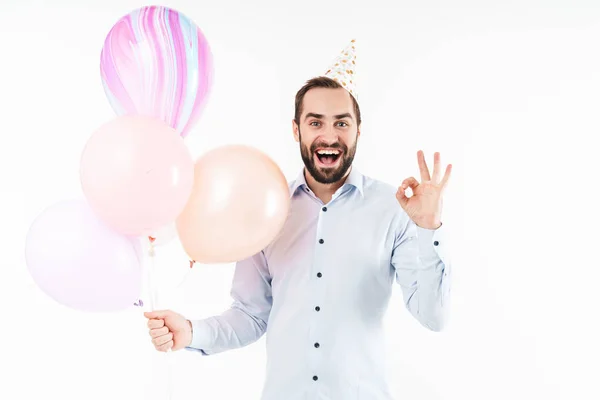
321,288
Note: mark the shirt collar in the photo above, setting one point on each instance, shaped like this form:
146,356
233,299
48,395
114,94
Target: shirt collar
355,178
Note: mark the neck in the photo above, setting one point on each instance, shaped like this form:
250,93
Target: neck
324,191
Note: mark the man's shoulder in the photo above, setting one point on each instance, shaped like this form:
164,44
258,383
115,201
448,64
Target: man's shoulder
382,195
377,187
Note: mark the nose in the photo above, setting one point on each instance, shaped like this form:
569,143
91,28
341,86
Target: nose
330,135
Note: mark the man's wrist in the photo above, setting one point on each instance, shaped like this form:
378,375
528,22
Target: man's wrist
191,332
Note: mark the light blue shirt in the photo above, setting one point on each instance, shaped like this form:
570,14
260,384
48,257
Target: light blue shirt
321,288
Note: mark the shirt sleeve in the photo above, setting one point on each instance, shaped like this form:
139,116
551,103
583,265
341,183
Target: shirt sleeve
423,271
246,321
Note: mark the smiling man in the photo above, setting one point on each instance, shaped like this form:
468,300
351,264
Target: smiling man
328,135
321,288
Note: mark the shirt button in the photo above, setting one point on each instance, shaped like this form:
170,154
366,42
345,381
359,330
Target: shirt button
324,209
317,308
315,378
322,241
436,243
319,275
317,345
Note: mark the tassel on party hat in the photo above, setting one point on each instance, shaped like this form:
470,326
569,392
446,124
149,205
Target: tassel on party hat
343,69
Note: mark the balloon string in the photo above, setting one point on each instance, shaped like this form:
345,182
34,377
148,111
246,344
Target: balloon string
187,274
152,275
153,304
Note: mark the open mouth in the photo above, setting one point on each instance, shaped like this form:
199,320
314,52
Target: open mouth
328,157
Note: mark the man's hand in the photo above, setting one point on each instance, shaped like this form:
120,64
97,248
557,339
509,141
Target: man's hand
169,330
424,207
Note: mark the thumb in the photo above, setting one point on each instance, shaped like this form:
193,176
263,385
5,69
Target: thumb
159,314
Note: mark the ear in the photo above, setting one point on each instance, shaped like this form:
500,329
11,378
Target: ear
358,132
296,131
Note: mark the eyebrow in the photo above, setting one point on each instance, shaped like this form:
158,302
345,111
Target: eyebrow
321,116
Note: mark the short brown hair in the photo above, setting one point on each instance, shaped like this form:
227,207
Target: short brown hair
321,82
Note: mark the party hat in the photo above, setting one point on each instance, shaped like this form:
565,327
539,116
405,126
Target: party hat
343,69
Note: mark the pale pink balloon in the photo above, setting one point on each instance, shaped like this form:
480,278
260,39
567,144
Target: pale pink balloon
239,204
137,174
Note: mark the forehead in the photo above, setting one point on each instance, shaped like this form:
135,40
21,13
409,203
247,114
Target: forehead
327,101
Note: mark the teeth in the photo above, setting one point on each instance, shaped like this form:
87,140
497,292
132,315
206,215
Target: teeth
328,152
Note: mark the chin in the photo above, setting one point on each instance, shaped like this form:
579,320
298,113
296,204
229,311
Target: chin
328,174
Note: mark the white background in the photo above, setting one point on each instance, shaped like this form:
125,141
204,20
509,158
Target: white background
508,91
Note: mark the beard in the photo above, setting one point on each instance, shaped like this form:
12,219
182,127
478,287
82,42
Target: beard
327,175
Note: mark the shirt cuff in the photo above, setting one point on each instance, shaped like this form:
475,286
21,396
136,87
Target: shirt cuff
431,242
200,336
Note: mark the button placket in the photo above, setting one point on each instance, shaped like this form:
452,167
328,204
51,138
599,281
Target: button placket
320,242
316,323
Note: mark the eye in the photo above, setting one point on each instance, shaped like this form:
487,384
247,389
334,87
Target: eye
344,124
314,122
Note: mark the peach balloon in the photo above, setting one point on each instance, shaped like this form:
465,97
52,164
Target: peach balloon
238,205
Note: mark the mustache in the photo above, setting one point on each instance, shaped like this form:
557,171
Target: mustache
338,146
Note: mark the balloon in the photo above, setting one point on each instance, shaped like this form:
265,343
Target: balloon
156,62
80,262
137,174
239,204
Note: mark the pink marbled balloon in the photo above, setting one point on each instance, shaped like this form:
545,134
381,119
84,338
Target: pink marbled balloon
156,62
